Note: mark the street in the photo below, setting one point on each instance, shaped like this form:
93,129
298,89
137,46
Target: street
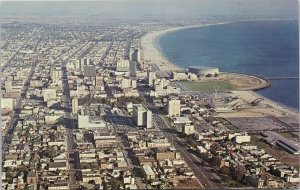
199,171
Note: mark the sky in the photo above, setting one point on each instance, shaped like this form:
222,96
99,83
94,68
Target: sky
155,9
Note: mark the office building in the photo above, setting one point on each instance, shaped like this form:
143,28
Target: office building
78,65
174,107
188,129
7,103
56,75
141,116
128,83
74,105
49,94
151,76
135,56
90,122
123,66
8,86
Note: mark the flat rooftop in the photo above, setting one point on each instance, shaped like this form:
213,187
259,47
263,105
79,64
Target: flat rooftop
293,146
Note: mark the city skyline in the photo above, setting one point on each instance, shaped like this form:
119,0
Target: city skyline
94,95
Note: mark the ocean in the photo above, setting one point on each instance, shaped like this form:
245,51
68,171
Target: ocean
267,48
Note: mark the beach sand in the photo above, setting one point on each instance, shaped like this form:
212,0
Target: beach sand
152,55
277,110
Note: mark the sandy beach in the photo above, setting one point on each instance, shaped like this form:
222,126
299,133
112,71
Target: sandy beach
151,54
280,109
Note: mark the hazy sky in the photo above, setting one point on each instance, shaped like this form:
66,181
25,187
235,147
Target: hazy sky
157,9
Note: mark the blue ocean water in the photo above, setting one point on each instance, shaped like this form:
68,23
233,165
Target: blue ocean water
262,48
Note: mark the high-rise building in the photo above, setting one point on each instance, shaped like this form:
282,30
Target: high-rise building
123,65
149,123
7,103
80,63
133,84
135,56
56,75
8,85
85,61
174,107
188,129
132,68
99,83
151,77
49,94
74,105
128,83
141,116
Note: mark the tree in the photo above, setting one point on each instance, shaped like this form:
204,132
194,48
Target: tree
51,152
52,136
225,170
216,161
115,184
239,173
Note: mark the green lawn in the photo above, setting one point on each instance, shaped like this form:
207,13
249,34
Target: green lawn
209,86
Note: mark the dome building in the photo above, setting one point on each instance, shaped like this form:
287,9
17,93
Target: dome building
203,71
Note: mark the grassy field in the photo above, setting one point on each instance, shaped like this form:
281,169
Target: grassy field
209,86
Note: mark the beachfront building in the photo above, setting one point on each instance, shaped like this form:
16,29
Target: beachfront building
203,71
162,87
183,75
151,76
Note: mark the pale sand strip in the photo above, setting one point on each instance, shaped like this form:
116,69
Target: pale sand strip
152,55
281,109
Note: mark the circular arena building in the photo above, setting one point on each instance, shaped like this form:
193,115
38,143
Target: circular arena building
203,71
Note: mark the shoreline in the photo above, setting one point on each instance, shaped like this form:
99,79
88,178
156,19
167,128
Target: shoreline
149,42
250,95
151,54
